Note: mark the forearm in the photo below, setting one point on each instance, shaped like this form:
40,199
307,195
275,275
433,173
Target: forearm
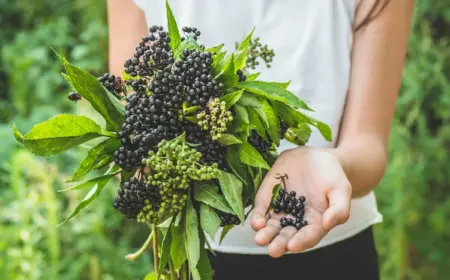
364,161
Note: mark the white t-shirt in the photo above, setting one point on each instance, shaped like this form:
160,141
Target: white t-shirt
312,40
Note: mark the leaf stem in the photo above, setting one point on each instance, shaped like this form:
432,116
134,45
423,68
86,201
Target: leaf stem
155,247
173,276
134,256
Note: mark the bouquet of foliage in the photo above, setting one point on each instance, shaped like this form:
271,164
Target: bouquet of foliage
190,132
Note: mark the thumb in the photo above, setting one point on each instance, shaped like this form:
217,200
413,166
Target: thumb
338,212
262,202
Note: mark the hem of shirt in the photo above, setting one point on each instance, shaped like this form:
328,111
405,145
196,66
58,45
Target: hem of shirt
242,250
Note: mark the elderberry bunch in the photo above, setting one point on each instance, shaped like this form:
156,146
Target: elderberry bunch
215,118
195,72
227,219
258,50
258,142
190,31
133,195
241,75
288,203
153,53
113,84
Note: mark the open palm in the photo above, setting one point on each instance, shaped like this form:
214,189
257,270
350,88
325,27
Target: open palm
315,174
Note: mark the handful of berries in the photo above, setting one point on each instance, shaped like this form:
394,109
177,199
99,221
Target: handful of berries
189,130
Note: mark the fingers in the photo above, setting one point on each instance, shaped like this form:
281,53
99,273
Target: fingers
306,238
279,246
338,212
262,203
268,233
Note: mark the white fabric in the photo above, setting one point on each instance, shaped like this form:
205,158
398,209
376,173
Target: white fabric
312,40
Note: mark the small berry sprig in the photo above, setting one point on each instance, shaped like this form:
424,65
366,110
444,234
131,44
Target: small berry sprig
287,202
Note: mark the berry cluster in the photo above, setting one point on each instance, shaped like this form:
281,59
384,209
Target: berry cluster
196,74
215,118
113,84
258,142
289,204
227,219
172,168
134,195
241,75
256,50
192,31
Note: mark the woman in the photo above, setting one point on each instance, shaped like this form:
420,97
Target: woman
345,59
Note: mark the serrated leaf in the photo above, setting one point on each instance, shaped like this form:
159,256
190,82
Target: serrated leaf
250,100
225,231
93,91
298,135
218,58
293,117
209,220
256,123
17,134
252,157
60,133
273,123
95,156
241,54
231,98
253,76
177,248
208,193
203,267
235,163
276,189
228,139
231,187
103,179
165,250
227,74
191,235
241,113
174,33
273,91
92,194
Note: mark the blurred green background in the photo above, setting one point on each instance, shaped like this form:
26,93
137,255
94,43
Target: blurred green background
413,242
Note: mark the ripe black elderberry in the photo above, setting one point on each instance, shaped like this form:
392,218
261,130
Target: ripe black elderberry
113,84
227,219
74,96
258,142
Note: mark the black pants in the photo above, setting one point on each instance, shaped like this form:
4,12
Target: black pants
354,258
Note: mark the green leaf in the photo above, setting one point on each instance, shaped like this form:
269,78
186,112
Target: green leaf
257,181
165,250
232,190
103,179
192,119
204,266
276,189
218,59
231,98
293,117
208,193
225,231
236,164
241,113
215,49
228,139
298,135
227,74
252,157
240,57
60,133
273,123
209,220
177,247
191,235
256,123
253,76
274,92
188,44
151,276
102,163
284,85
174,33
17,134
92,194
93,91
250,100
95,155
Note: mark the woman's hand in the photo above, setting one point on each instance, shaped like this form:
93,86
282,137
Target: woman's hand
316,174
